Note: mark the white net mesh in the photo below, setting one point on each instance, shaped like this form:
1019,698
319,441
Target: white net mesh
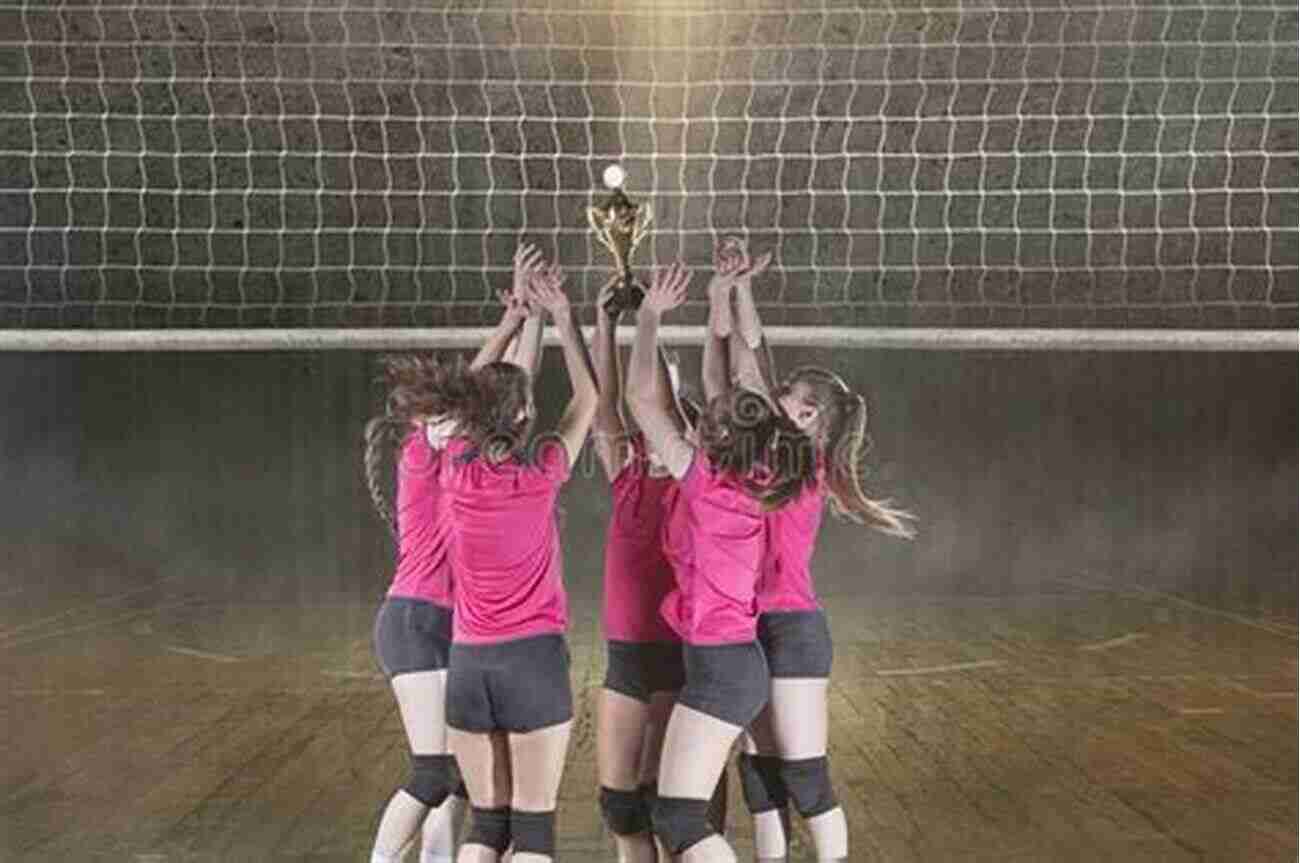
359,164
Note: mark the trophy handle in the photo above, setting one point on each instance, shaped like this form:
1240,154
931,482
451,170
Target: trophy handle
644,216
592,213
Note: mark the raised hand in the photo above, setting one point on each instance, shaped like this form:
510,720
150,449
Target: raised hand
546,291
528,263
668,290
516,303
732,262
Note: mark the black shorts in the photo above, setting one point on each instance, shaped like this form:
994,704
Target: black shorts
727,681
516,686
412,635
639,669
796,643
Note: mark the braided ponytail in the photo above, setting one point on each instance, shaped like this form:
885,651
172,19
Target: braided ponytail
381,434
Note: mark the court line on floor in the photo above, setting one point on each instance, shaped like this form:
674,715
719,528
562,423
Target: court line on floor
32,624
99,624
201,654
351,675
1083,581
1112,643
940,669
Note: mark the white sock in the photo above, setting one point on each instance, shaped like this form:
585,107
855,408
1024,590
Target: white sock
377,857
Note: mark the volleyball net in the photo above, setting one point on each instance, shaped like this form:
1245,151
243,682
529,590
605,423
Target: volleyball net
273,171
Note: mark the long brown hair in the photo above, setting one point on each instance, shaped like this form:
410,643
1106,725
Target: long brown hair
742,434
380,438
416,385
843,441
489,405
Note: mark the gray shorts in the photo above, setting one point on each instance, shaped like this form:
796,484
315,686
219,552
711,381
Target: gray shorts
638,669
796,643
411,635
727,681
516,686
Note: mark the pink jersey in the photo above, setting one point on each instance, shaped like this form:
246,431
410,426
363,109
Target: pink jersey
637,572
505,546
786,583
715,540
423,568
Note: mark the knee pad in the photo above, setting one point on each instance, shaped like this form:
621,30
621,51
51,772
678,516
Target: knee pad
490,827
809,782
626,812
760,782
533,832
432,778
680,822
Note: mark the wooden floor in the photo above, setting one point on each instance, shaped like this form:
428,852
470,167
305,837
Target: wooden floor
1082,721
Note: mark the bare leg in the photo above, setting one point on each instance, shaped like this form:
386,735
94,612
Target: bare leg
421,700
442,830
696,747
661,707
772,826
623,726
798,726
537,760
485,766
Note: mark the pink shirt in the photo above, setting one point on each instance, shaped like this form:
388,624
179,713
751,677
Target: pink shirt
715,539
505,545
786,583
423,568
637,572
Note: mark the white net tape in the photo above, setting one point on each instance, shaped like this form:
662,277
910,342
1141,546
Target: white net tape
929,164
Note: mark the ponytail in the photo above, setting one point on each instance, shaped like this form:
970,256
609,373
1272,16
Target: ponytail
847,443
381,433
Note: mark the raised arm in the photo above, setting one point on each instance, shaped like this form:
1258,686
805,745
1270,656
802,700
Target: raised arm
658,421
525,348
546,291
750,359
528,261
714,371
610,432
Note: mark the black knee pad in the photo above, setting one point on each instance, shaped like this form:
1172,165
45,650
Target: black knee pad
760,782
490,827
680,822
433,777
460,790
625,812
809,782
533,832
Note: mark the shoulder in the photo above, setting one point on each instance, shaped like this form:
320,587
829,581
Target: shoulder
550,456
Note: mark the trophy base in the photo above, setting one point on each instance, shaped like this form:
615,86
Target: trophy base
627,297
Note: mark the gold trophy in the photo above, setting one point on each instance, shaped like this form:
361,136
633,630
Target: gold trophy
620,225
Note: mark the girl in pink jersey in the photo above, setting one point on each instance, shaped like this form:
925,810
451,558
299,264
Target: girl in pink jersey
748,460
644,667
509,704
412,632
785,751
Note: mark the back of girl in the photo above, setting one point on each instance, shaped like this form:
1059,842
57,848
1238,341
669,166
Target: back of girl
747,460
784,763
509,702
506,542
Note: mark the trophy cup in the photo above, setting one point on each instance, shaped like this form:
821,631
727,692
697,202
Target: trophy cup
620,225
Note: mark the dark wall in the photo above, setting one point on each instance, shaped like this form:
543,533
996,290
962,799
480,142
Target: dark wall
240,474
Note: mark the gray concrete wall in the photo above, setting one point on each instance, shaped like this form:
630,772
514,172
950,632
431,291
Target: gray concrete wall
239,477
